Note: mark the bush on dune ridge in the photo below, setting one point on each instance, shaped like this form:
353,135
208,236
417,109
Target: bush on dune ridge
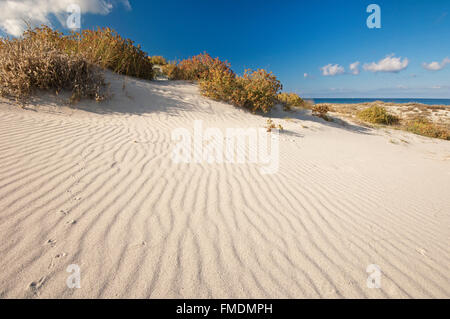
45,59
106,48
200,66
68,62
103,47
172,71
49,60
258,90
290,100
255,90
37,63
78,53
220,85
158,60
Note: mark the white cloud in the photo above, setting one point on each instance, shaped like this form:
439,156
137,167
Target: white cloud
354,68
15,14
332,70
436,66
388,64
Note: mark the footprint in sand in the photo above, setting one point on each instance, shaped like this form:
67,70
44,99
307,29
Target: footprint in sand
71,222
51,242
35,286
65,212
55,259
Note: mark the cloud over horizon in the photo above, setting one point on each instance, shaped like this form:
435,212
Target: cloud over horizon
332,70
354,68
436,66
389,64
14,14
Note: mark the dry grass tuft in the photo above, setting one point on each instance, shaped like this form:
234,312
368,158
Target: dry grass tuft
103,47
270,126
37,63
45,59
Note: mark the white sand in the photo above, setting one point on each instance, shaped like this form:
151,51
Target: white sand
97,188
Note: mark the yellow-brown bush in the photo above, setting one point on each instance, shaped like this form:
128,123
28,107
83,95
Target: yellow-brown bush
256,90
36,62
171,70
377,115
198,67
290,99
158,60
321,110
220,85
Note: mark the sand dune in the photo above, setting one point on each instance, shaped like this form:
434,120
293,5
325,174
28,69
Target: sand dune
97,187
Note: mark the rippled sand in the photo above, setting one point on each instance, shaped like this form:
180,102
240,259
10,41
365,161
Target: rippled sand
97,188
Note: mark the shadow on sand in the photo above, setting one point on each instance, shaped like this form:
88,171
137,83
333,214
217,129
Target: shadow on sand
305,116
140,97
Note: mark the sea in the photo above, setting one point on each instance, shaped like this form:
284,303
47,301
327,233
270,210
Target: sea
365,100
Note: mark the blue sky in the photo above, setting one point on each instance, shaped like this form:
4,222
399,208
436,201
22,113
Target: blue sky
291,38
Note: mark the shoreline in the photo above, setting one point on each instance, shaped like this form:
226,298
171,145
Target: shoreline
400,101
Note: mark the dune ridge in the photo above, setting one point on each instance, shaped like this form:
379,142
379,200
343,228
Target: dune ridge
96,186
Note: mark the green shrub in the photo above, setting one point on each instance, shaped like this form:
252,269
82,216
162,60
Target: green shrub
377,115
422,126
36,62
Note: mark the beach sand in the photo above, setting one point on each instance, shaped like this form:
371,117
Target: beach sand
96,187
